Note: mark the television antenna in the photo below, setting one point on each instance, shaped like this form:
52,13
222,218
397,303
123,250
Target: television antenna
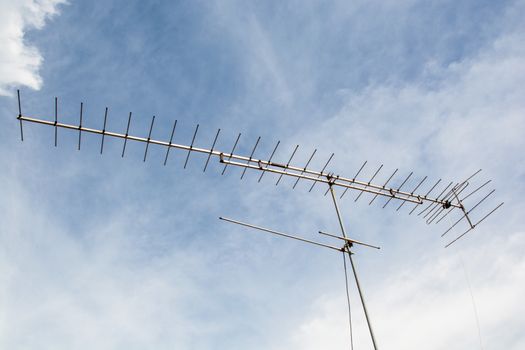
435,207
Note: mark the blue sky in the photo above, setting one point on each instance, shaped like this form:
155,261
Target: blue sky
105,252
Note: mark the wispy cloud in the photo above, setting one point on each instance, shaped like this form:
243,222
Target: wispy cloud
20,61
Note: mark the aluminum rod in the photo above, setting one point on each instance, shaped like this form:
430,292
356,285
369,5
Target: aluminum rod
477,223
287,164
414,190
429,191
149,138
56,120
211,150
476,190
461,203
191,146
341,181
322,170
104,130
408,177
281,234
448,200
170,144
126,137
233,150
431,204
370,181
362,300
349,240
269,161
20,115
466,213
384,185
435,213
251,155
307,177
80,125
304,170
347,248
348,303
355,177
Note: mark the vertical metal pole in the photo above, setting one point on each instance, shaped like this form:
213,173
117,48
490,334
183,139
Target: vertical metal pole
332,192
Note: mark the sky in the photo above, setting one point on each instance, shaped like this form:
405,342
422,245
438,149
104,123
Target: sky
100,251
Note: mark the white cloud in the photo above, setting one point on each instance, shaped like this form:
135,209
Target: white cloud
19,60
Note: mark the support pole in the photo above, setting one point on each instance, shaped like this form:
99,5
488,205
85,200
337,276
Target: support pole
348,246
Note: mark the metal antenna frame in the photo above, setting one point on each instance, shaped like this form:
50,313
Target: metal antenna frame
437,209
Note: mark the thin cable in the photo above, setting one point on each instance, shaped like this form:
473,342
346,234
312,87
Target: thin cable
473,301
348,300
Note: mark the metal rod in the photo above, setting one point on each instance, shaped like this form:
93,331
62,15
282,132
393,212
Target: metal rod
269,160
307,177
384,185
170,144
476,190
339,218
460,201
20,115
281,234
191,146
149,138
447,200
211,150
80,125
442,209
306,166
388,201
462,209
322,170
349,240
233,150
439,207
338,180
465,215
126,137
458,187
251,155
362,300
287,164
56,120
431,204
348,303
369,182
355,177
431,189
477,223
104,130
413,191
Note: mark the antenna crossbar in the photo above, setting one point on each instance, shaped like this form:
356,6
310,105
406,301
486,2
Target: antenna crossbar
263,165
